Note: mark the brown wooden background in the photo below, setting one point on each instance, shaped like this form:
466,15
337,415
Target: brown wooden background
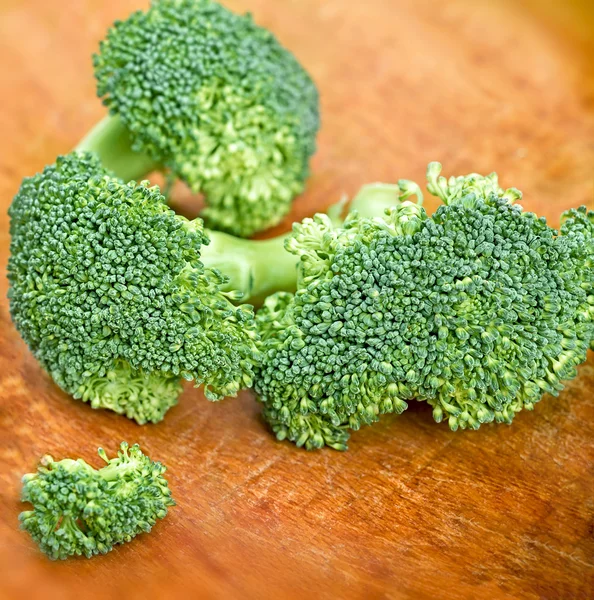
412,510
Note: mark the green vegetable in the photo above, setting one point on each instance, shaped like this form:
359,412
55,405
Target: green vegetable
478,310
81,510
120,299
208,94
578,223
108,289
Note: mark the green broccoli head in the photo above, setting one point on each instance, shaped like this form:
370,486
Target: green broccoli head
578,225
108,290
78,510
216,99
477,310
327,350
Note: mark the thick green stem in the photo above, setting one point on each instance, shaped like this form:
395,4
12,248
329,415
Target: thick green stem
258,268
115,470
374,199
111,141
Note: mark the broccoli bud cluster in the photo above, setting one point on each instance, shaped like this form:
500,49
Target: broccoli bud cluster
216,99
326,350
108,290
78,510
478,310
578,224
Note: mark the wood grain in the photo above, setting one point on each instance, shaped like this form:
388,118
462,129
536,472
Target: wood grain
412,510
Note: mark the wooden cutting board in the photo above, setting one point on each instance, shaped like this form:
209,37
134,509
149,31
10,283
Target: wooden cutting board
412,510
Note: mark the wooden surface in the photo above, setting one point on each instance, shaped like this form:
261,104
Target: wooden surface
412,510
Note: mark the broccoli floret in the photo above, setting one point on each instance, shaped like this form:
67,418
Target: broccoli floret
477,310
326,365
79,510
108,290
578,224
214,98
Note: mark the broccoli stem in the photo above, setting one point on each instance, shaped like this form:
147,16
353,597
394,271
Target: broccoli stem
118,467
111,141
374,199
258,268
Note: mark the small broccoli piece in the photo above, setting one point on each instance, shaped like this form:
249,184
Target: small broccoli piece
578,224
81,510
108,290
214,98
477,310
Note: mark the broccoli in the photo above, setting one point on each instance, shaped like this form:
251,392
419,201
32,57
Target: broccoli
579,223
81,510
120,299
478,310
209,95
108,289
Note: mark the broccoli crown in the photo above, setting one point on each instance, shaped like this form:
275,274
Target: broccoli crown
477,310
78,510
108,291
578,224
219,101
326,350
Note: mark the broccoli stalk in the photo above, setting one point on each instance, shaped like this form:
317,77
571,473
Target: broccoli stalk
208,95
111,141
79,510
254,268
